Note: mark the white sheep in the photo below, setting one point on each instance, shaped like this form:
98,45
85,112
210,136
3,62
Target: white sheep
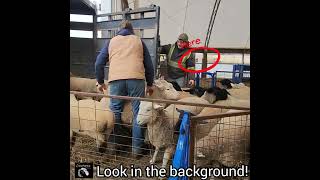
84,85
73,114
240,91
89,117
228,141
233,101
204,127
162,121
184,94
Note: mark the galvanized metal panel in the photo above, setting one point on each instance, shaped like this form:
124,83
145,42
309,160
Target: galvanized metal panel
80,11
81,26
149,42
143,9
147,23
81,57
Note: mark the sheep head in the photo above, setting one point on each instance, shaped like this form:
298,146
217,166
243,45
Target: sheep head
214,94
165,90
225,84
105,91
148,112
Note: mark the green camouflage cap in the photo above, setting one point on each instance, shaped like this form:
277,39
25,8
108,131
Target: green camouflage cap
183,37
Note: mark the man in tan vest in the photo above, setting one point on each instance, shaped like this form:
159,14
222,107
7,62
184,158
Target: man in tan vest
130,66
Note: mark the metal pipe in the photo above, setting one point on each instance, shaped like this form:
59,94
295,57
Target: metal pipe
157,100
204,62
220,115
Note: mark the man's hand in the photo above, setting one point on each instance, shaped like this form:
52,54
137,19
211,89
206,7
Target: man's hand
149,90
191,82
101,87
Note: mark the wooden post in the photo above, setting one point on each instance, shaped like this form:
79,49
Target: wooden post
192,142
204,62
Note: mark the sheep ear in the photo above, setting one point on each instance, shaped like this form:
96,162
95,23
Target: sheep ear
179,110
159,85
158,107
227,92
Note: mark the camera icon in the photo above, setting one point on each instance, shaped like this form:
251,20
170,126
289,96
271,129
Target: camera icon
84,170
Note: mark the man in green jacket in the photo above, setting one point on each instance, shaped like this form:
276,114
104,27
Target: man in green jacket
174,53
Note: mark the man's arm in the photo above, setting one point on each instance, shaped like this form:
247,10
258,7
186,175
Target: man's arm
148,66
191,65
101,61
164,49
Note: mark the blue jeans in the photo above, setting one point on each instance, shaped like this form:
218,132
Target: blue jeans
133,88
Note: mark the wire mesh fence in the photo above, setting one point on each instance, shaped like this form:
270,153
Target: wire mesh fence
223,139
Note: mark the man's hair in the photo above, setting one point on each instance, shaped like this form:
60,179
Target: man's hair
125,24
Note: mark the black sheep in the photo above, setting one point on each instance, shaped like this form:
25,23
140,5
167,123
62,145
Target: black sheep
176,86
226,83
198,91
221,94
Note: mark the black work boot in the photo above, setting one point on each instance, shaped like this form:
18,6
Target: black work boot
122,137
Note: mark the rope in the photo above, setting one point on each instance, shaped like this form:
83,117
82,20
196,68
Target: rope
185,15
211,21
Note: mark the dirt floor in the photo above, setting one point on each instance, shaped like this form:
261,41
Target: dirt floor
84,150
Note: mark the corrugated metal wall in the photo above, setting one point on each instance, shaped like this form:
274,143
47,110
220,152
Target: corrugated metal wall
82,57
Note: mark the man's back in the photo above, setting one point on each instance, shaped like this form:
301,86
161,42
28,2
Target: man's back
126,57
